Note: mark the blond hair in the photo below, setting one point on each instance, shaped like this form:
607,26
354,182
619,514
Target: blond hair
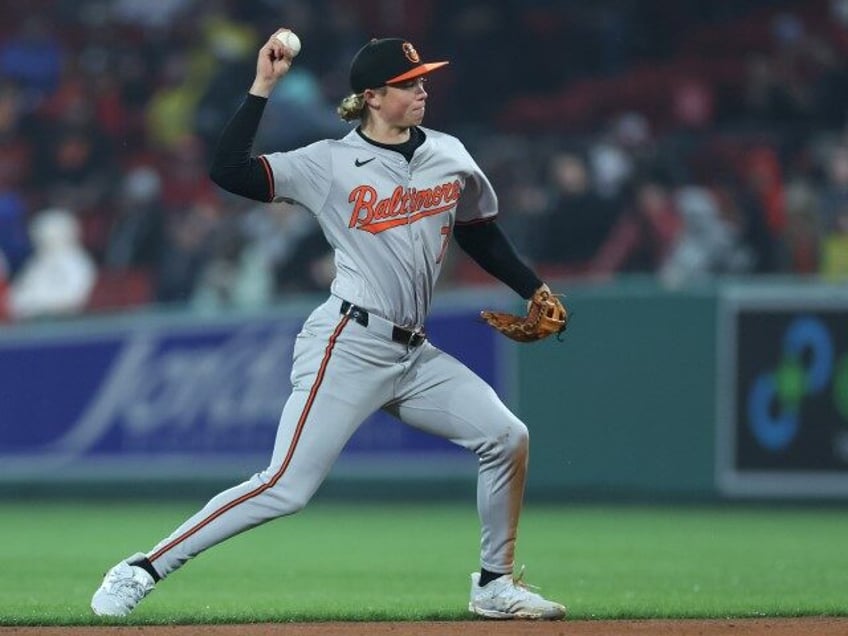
352,107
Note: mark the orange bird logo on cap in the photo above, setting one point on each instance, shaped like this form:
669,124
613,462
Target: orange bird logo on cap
410,53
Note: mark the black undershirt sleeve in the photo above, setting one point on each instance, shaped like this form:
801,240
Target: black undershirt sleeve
490,248
233,168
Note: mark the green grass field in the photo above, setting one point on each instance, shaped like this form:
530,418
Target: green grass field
408,562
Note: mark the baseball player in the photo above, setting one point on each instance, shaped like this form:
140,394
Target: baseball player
388,197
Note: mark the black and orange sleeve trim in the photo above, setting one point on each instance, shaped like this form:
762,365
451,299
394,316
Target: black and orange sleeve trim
269,175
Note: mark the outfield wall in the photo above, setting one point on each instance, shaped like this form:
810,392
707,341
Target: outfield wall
626,402
734,390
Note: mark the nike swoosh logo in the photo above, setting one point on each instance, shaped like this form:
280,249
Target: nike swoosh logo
359,163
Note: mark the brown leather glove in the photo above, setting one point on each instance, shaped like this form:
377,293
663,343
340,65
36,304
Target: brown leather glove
546,315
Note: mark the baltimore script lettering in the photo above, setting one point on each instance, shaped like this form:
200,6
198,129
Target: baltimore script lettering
403,207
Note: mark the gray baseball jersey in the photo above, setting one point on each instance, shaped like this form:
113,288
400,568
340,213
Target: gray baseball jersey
388,221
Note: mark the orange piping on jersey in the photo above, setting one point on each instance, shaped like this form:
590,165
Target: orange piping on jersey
319,378
403,207
269,175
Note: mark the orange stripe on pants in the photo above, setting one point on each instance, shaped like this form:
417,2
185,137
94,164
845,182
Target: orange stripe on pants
319,378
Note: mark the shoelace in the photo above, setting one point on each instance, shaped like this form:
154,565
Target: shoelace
519,581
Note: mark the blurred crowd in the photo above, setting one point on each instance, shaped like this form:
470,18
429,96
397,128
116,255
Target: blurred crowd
684,140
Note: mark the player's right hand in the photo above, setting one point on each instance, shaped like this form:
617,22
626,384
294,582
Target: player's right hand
272,63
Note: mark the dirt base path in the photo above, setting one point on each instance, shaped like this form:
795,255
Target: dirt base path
692,627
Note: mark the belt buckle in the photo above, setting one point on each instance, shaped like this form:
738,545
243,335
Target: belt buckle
415,338
356,313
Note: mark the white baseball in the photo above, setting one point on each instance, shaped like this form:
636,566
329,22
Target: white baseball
290,41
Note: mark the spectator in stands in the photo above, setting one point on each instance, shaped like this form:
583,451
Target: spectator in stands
17,154
218,47
288,245
170,112
708,244
310,267
623,148
167,12
831,89
233,53
219,282
17,159
833,214
299,114
644,235
803,232
136,238
58,277
183,169
835,255
14,237
692,104
33,57
577,220
740,204
76,170
189,241
611,167
833,208
88,92
762,177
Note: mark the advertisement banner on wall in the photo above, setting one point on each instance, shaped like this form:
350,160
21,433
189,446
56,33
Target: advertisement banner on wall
172,398
783,393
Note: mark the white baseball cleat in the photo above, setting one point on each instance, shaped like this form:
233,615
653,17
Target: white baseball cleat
122,589
508,597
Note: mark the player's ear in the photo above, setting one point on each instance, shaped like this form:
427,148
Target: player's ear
372,95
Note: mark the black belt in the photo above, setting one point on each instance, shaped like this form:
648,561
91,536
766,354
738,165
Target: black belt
399,334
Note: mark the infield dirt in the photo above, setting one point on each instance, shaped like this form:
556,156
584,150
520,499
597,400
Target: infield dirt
819,626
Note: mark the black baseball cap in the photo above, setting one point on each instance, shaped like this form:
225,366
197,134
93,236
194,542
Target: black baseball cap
387,61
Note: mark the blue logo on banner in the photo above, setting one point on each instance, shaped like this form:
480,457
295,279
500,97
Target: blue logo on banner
774,400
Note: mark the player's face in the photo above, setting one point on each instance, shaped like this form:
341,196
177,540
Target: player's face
403,104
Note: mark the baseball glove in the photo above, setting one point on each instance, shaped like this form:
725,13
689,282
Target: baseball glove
546,315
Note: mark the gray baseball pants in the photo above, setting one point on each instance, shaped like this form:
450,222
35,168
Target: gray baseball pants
342,372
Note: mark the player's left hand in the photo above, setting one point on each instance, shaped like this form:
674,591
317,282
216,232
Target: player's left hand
546,315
